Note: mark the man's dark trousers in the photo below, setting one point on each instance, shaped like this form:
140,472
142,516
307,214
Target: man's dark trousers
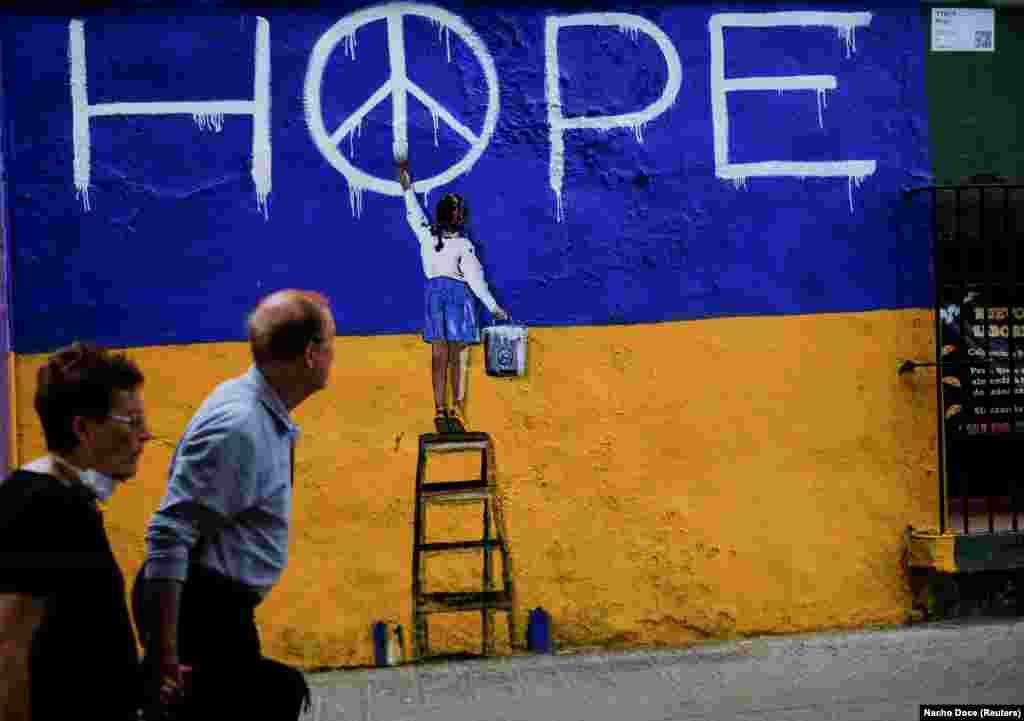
217,637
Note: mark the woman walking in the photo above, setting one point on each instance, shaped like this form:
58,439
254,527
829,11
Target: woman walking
67,648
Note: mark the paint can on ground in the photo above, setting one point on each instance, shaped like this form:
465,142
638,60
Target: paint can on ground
538,631
505,350
388,644
398,646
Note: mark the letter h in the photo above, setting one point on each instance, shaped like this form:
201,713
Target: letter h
206,112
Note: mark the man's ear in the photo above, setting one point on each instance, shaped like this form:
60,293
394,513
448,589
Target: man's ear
80,428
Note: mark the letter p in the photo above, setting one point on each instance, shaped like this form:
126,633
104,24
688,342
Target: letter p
558,123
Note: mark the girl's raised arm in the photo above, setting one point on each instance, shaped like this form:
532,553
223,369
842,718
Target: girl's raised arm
413,212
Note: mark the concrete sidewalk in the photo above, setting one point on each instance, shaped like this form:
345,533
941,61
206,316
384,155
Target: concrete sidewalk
871,675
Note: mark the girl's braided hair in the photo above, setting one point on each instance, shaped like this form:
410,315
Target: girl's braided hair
446,208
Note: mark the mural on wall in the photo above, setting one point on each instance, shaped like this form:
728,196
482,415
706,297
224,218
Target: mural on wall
666,163
397,88
845,25
208,114
558,122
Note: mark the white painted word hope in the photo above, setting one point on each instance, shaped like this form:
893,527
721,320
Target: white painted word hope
210,114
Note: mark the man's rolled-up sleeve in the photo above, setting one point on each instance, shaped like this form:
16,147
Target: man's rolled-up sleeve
211,481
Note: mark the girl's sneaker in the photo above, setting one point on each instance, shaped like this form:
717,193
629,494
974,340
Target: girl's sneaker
455,421
441,421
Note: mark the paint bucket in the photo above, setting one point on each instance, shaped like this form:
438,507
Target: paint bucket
505,350
538,631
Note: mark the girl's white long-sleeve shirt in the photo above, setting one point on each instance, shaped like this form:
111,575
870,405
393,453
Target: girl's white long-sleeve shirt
457,259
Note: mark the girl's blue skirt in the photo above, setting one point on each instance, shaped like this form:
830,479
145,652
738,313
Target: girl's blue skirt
450,312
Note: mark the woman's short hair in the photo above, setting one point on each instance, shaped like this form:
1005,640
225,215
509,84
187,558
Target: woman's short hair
80,380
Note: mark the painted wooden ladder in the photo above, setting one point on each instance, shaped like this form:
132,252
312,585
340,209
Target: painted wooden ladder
482,490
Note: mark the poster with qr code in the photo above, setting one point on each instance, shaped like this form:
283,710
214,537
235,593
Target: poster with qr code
964,29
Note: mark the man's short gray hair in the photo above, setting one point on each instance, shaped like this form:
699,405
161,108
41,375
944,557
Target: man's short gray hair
284,323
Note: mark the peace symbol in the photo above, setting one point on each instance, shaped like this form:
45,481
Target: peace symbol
397,86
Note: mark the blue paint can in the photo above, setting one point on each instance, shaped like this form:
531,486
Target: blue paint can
380,644
538,631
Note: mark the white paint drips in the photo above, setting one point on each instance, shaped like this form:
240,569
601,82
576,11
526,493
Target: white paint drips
356,129
350,44
434,117
208,114
355,199
854,170
443,35
398,87
209,121
559,123
850,182
822,103
848,34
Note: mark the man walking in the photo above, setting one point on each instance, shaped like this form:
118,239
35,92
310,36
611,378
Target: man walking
219,541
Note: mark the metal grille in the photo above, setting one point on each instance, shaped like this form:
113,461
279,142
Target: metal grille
979,332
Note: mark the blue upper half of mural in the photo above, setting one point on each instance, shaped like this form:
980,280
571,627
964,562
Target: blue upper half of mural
633,164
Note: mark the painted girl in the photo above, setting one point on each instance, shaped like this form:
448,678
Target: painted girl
454,276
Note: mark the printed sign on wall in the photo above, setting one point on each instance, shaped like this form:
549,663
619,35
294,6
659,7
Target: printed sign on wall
963,29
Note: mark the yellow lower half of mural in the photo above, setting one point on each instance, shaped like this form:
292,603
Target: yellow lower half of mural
661,484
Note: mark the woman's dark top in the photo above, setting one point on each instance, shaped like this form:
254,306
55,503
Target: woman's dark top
53,545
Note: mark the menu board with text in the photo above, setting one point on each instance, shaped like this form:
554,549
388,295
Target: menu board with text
983,362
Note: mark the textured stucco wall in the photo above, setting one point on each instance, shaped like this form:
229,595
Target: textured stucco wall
662,483
712,438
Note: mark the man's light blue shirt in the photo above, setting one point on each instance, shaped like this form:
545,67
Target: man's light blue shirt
230,482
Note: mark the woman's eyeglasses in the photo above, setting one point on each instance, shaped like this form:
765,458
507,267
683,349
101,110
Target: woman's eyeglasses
136,423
